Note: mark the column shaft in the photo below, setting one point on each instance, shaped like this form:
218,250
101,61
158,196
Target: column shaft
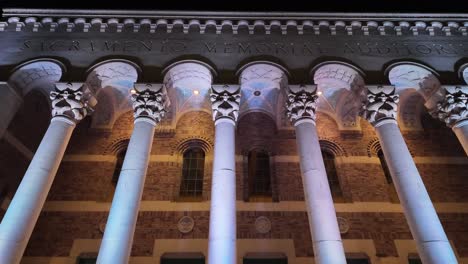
326,239
23,211
425,226
461,130
222,233
118,236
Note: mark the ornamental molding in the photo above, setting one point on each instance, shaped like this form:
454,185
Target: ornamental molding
301,102
225,100
454,107
381,104
43,20
150,101
262,225
185,224
414,76
71,100
40,74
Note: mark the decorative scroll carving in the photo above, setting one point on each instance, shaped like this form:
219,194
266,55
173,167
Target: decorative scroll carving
70,100
225,102
301,103
454,108
149,101
381,104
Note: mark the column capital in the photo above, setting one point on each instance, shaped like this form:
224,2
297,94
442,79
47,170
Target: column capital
72,101
149,101
454,107
225,101
381,104
301,103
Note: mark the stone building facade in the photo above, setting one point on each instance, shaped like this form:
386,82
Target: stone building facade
178,137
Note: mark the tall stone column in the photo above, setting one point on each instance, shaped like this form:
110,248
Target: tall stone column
380,110
453,111
149,104
326,239
222,234
70,104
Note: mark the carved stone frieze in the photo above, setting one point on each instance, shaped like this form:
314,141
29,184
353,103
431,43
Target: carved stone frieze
150,101
382,103
301,103
71,100
225,102
454,107
413,76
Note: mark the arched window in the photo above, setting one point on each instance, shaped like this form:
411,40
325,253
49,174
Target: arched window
388,177
259,175
193,168
118,165
330,168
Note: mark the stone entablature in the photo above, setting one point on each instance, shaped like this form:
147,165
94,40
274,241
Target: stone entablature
220,23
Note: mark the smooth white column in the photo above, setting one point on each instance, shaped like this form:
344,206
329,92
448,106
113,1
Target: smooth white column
461,130
425,226
326,239
222,233
23,211
118,236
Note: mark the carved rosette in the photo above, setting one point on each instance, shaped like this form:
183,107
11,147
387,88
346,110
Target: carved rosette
71,100
149,101
225,102
454,107
381,104
301,103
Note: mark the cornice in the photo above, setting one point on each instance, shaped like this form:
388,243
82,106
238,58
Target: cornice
60,20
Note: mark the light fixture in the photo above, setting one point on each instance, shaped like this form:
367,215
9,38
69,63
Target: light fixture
319,92
196,92
133,91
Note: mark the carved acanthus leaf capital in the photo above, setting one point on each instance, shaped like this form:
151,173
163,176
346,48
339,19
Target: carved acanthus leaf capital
381,103
301,102
454,107
71,100
225,102
150,101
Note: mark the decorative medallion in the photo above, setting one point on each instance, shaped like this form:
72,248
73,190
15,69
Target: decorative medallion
102,226
185,224
262,225
343,225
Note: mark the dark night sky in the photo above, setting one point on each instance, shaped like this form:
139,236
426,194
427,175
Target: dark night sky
394,6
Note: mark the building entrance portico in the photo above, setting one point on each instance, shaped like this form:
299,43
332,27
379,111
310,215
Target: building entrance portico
232,138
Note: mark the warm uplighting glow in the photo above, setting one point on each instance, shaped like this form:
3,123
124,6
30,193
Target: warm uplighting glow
196,92
319,92
132,91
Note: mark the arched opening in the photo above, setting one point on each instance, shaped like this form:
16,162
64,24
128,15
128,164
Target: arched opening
388,177
333,182
259,176
118,165
193,169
